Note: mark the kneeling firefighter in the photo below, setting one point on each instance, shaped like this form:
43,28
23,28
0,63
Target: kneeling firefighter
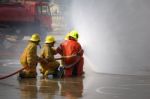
71,47
50,66
29,58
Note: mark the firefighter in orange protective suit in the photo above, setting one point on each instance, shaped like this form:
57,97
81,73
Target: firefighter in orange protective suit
68,48
51,65
29,58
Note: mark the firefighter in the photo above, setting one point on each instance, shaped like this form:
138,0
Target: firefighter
68,48
50,66
29,58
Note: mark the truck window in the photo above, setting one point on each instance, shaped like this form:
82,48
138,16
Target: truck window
4,1
43,10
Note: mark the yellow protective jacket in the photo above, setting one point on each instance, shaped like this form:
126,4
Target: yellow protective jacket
29,56
48,53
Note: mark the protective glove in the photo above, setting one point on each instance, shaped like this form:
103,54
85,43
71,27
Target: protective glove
60,68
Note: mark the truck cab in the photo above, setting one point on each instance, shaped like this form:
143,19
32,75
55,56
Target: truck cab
27,17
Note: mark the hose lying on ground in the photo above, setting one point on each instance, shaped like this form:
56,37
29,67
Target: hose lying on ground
9,75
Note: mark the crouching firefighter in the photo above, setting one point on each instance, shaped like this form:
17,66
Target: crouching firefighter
70,47
50,66
29,58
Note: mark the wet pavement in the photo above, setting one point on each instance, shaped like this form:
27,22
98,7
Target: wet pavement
90,86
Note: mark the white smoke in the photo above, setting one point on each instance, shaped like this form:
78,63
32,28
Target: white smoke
115,34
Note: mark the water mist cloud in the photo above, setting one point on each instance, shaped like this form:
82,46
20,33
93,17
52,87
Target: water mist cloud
115,34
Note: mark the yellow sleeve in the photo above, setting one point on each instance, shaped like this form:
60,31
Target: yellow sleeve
54,51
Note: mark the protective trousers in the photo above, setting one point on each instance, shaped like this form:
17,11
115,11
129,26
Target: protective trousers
29,72
49,68
75,70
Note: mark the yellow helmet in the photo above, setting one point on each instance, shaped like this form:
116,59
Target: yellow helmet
74,34
67,36
35,37
49,39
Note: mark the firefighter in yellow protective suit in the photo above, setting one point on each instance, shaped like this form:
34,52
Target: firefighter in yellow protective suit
50,66
29,58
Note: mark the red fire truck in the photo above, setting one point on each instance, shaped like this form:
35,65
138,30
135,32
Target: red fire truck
24,18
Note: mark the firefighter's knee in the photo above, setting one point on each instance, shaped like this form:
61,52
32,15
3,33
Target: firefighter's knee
27,74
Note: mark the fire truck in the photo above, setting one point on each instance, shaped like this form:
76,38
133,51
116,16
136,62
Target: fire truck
25,18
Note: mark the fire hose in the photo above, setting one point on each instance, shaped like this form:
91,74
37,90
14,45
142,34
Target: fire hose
70,65
65,66
9,75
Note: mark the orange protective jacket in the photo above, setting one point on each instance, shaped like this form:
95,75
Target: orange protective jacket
69,47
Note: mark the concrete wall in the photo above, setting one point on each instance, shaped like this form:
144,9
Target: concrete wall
115,34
